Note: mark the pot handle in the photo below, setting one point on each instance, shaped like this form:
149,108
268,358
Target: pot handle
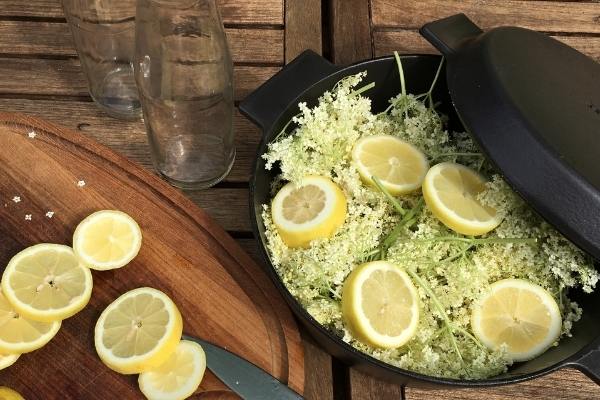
448,34
268,102
588,361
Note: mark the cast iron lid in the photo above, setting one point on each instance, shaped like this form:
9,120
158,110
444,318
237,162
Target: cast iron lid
533,105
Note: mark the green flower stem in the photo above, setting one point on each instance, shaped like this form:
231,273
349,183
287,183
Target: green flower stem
437,75
468,334
389,196
363,89
401,72
439,307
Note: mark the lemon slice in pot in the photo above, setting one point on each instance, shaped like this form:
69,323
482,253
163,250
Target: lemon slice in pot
138,331
311,210
178,377
450,191
380,304
47,283
518,314
399,165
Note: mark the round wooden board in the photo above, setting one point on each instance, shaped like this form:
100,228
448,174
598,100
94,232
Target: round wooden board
223,295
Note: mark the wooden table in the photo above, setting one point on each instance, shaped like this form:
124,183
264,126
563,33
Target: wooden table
41,75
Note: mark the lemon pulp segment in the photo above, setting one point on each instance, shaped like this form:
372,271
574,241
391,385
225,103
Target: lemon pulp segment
21,335
380,304
314,209
399,165
450,191
138,331
178,377
519,314
107,239
46,282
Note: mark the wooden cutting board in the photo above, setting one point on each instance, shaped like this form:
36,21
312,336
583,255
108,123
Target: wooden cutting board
223,295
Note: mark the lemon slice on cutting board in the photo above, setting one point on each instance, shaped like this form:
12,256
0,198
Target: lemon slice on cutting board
21,335
6,360
313,209
47,283
138,331
179,377
380,304
9,394
399,166
450,191
107,239
519,314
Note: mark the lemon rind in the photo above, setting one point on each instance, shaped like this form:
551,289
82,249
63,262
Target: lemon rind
547,299
191,385
161,352
77,303
90,262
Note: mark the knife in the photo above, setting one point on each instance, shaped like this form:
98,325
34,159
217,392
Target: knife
241,376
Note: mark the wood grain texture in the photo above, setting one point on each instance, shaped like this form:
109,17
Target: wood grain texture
303,27
65,78
410,41
47,39
224,296
350,30
129,137
365,387
319,377
260,12
566,384
548,16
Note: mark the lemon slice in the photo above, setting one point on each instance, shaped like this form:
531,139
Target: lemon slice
399,165
519,314
179,377
9,394
7,360
314,209
46,282
450,191
380,304
21,335
138,331
107,239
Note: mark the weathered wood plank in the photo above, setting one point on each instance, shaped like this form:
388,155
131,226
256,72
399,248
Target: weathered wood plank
229,207
54,39
317,367
64,77
365,387
350,30
261,12
566,384
303,27
129,137
548,16
410,41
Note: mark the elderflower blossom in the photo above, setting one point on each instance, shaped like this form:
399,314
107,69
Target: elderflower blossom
457,273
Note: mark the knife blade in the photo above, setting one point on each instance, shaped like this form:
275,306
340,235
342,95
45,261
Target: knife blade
241,376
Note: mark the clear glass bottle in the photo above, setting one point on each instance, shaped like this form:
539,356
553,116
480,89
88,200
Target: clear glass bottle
103,32
184,75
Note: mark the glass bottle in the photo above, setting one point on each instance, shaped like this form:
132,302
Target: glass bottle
184,75
103,32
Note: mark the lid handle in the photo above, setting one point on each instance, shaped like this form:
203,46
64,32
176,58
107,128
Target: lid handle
448,34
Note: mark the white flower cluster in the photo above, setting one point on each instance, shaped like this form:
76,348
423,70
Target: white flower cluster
457,272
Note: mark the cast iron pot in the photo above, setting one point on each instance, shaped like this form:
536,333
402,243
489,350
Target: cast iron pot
304,80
